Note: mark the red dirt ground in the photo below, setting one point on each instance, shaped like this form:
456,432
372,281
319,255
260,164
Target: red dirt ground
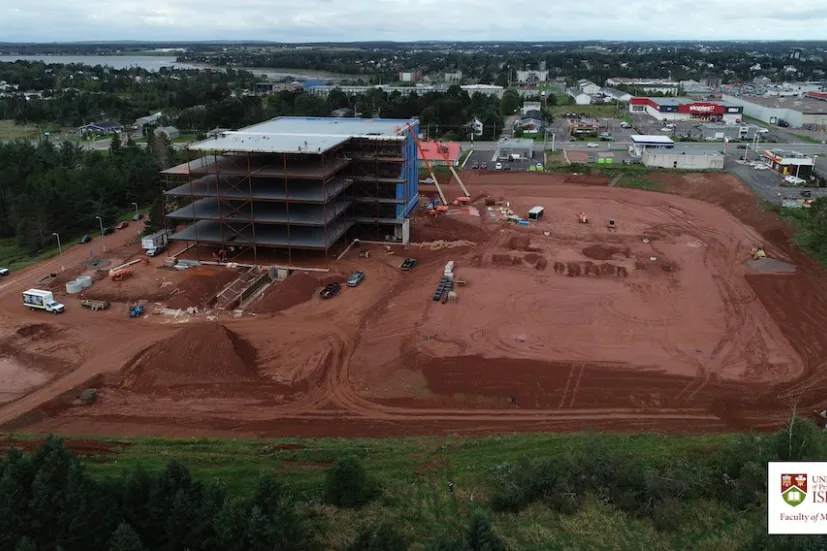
658,325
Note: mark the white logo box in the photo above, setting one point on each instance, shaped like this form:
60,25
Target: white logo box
797,497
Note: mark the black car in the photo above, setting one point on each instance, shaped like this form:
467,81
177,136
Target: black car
806,193
407,264
507,167
330,290
108,231
85,239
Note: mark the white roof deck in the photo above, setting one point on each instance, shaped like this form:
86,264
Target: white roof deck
303,134
652,140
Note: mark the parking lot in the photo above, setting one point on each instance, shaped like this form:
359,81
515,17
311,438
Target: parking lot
560,128
767,183
488,157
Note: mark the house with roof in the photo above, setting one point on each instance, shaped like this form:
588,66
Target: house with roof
475,126
436,152
170,132
148,120
616,95
579,96
588,87
101,128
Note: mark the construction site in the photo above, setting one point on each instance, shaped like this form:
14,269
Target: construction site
515,302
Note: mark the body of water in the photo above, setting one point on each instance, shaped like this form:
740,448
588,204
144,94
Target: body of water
148,62
153,63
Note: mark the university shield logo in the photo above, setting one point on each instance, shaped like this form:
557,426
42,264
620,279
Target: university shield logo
794,488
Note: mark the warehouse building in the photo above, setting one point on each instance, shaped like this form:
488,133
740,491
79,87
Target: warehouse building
515,146
683,160
294,184
717,131
684,109
808,111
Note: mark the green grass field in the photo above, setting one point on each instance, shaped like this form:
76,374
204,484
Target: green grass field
414,474
11,131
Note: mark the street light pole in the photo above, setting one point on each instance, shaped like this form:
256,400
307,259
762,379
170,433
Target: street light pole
59,249
100,220
136,210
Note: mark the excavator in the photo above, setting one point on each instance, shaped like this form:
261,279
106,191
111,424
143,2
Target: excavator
758,252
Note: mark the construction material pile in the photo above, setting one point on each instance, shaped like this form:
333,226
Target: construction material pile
299,287
205,353
201,286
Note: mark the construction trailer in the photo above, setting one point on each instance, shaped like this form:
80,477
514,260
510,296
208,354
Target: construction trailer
296,186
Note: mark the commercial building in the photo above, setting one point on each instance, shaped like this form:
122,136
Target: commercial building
807,111
531,77
291,185
717,131
581,126
681,109
643,85
789,162
515,146
436,152
641,143
683,160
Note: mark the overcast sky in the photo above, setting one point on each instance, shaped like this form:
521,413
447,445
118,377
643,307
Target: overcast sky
408,20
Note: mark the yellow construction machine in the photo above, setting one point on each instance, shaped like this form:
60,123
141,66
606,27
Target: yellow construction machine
758,252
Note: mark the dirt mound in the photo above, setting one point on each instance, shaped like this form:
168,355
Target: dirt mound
206,353
532,258
585,179
36,331
602,252
297,288
541,263
447,228
201,287
520,243
501,259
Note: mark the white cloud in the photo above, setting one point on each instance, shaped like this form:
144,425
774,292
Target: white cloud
407,20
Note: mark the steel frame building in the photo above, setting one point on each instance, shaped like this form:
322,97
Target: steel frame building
294,183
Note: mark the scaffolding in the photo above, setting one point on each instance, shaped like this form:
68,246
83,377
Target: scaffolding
242,203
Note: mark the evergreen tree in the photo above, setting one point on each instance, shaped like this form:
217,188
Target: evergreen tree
479,537
157,215
25,544
125,539
115,144
15,514
347,484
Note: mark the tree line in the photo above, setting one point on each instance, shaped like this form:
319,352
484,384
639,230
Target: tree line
48,501
443,114
47,189
75,94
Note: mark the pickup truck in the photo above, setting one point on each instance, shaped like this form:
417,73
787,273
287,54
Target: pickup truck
95,304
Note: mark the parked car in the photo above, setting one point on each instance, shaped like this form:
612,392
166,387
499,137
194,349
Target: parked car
763,130
507,167
355,279
592,145
760,166
408,264
498,166
137,217
4,272
108,231
475,166
330,290
85,239
632,162
122,225
484,166
742,146
806,193
625,125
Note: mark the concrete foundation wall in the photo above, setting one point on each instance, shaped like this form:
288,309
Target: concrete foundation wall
684,162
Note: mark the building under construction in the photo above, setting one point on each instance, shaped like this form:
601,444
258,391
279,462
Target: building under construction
295,184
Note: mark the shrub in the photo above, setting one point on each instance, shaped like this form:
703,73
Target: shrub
347,484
